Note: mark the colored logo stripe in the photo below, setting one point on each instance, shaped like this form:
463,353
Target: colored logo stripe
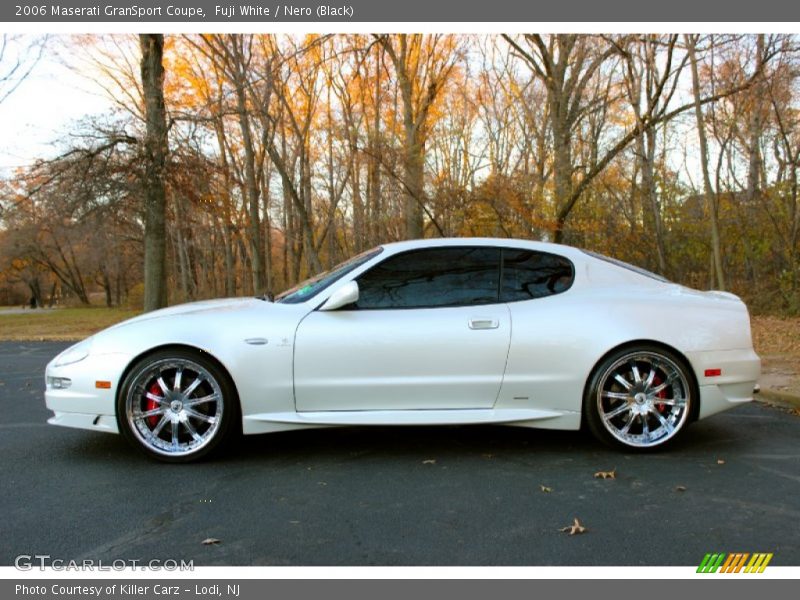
734,563
758,563
711,563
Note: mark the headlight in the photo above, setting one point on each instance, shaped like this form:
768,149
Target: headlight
58,383
73,354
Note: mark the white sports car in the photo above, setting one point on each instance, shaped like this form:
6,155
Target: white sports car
431,332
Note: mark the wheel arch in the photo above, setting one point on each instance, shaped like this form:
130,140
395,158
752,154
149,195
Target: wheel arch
652,343
185,347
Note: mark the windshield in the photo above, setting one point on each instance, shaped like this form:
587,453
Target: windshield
314,285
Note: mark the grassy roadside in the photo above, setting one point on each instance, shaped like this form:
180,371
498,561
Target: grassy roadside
777,342
65,324
777,335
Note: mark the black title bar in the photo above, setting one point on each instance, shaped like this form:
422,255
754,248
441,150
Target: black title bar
438,11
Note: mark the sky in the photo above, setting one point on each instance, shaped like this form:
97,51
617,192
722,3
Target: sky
40,111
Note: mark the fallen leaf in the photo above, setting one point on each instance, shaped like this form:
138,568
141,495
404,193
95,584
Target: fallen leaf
210,541
487,455
321,483
720,461
430,461
545,489
680,488
606,474
575,528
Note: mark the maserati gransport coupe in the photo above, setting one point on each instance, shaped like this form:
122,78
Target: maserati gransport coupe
427,332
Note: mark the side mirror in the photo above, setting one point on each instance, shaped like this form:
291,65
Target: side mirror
347,294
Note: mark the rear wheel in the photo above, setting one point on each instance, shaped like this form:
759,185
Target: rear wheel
176,405
639,398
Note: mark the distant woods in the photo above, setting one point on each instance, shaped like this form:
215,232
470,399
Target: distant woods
237,164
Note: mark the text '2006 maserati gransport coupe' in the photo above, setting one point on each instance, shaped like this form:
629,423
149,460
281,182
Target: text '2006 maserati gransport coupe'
428,332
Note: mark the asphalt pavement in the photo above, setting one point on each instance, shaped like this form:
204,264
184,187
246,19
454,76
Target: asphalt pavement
395,496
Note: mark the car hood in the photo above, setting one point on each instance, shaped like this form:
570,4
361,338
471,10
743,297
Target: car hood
216,326
218,306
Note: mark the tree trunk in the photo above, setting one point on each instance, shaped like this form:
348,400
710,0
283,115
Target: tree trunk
181,250
227,227
155,149
562,170
755,127
52,299
646,147
106,285
267,236
252,189
36,292
711,197
374,209
359,230
413,172
415,123
413,165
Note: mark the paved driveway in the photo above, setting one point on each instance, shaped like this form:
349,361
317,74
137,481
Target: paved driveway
395,496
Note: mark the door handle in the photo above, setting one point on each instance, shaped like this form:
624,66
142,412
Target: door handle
484,323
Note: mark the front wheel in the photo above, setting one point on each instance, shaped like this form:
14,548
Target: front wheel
176,405
639,398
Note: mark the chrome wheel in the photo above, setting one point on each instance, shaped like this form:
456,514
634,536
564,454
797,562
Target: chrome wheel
643,399
174,407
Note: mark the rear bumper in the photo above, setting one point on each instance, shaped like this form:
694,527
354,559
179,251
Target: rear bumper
739,372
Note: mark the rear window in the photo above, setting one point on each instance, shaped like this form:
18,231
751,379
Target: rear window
528,274
628,266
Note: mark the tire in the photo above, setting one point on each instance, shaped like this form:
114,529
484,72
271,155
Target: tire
177,406
640,398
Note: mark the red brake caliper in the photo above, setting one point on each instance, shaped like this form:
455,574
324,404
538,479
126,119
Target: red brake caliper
660,407
150,404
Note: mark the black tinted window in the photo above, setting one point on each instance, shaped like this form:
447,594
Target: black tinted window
432,277
528,274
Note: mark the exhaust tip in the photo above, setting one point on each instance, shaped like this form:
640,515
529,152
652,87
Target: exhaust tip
756,389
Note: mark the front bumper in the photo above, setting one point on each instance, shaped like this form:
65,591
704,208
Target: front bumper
106,423
83,404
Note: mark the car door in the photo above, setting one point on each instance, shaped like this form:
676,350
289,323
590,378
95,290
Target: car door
428,332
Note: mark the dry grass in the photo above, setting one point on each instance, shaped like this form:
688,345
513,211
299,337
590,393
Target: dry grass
66,324
777,342
777,336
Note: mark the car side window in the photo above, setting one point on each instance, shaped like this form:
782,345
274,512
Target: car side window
432,277
528,274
